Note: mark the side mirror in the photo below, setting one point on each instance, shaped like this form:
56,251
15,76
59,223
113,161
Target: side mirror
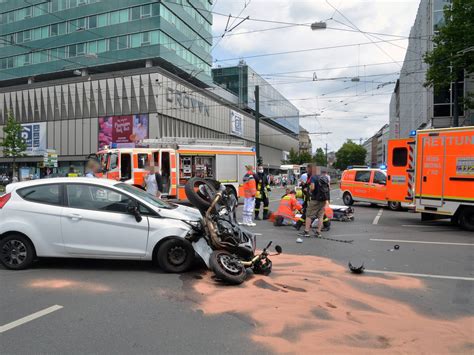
278,249
133,209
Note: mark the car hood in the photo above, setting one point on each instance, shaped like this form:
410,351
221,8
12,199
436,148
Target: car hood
181,212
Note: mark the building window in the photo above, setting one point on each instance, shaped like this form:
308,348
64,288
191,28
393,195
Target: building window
123,42
145,11
93,21
145,38
102,20
135,13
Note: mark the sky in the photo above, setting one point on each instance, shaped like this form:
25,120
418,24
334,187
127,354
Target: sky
319,80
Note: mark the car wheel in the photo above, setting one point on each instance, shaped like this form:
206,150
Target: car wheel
347,199
394,206
175,255
16,252
466,219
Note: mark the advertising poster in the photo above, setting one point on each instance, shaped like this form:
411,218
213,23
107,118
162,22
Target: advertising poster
123,131
34,135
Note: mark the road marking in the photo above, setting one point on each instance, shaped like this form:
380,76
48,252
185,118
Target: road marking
420,242
29,318
418,225
377,217
420,275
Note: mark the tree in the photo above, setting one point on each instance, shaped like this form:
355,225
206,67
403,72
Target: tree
452,52
13,144
350,154
298,158
320,157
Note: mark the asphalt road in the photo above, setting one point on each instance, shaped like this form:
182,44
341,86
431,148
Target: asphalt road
124,307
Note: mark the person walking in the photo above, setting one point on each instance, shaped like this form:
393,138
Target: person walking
320,195
263,189
250,190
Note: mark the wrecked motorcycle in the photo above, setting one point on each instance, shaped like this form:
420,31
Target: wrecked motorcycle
226,248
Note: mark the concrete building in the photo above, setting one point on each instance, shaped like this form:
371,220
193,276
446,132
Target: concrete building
305,142
144,62
376,147
413,106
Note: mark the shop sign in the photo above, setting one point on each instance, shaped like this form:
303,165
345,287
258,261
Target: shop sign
50,159
186,101
34,135
236,123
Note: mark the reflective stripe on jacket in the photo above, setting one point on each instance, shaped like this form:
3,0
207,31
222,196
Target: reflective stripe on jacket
250,187
288,205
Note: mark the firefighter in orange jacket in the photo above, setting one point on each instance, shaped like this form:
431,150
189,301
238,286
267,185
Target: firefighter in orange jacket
250,190
285,215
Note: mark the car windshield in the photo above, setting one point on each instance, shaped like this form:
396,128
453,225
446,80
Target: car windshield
156,202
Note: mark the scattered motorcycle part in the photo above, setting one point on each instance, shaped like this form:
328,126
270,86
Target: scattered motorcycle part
396,247
299,240
337,240
263,266
278,249
227,267
356,269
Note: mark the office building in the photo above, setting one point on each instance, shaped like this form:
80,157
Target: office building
412,105
97,64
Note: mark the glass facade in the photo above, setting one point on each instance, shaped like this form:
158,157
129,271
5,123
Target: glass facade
241,80
181,30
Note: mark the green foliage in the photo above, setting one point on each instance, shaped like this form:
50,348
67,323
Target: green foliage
350,154
320,157
450,54
297,158
13,144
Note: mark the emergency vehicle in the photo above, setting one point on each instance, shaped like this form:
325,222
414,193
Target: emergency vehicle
178,163
434,169
363,184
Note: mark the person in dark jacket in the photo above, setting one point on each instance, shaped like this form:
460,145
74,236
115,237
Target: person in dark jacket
263,188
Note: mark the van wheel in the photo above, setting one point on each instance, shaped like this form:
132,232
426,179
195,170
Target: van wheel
394,206
16,252
347,199
466,218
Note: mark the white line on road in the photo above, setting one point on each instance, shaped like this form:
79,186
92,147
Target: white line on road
29,318
377,217
420,275
419,242
418,225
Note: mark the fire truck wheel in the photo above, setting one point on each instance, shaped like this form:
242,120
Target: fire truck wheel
466,218
196,195
347,199
395,206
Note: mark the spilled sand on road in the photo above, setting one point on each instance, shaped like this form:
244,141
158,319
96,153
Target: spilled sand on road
65,284
312,305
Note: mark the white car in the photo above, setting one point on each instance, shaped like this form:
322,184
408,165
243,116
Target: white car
93,218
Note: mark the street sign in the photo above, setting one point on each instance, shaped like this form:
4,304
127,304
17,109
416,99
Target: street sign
50,159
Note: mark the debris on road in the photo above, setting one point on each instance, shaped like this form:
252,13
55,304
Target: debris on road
356,269
299,240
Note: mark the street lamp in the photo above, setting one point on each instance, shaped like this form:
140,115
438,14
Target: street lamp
321,25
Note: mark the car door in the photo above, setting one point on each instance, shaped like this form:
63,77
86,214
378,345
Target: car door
95,222
41,211
361,190
378,186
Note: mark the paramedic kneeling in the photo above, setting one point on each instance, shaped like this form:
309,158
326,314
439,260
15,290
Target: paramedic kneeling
285,215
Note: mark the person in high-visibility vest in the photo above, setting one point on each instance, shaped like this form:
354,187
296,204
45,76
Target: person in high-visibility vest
285,215
72,172
263,190
250,190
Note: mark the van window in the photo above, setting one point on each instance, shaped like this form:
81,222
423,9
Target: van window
125,166
380,178
400,156
363,176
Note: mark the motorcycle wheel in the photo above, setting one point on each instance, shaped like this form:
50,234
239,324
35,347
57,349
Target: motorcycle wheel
200,192
226,269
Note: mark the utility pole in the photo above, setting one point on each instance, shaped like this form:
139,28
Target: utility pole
455,104
257,123
326,149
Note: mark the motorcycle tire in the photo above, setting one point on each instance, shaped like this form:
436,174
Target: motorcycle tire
225,271
195,197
